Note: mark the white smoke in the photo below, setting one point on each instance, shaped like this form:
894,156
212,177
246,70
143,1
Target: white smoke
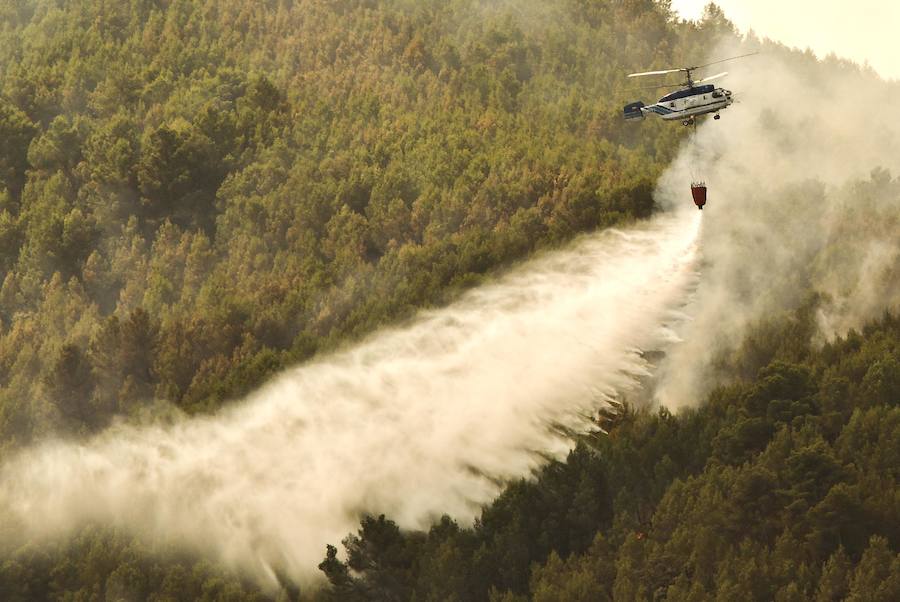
784,217
415,422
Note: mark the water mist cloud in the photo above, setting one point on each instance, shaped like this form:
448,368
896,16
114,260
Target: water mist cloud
798,201
415,422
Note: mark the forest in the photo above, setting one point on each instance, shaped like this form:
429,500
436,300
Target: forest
195,195
779,487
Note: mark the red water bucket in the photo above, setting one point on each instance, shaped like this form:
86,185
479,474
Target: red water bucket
698,191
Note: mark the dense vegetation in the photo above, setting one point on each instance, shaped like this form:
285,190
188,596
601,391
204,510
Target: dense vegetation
781,487
194,194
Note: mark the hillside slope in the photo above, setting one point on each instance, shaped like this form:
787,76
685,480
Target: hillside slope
194,194
781,487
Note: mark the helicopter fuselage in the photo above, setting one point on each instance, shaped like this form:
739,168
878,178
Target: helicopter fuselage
684,104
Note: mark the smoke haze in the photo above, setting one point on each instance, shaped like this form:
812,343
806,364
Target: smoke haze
416,422
801,198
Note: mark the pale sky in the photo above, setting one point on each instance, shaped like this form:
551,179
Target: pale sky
860,30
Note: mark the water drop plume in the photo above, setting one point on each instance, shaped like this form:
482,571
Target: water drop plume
418,421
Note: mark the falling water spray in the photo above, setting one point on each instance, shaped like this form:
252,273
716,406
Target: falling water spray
415,422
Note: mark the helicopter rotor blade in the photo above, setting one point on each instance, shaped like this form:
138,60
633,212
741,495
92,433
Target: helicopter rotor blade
654,87
711,77
723,60
662,72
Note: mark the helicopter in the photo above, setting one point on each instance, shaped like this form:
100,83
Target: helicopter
695,98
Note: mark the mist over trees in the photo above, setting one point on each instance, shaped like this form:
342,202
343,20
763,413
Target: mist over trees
781,487
196,194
